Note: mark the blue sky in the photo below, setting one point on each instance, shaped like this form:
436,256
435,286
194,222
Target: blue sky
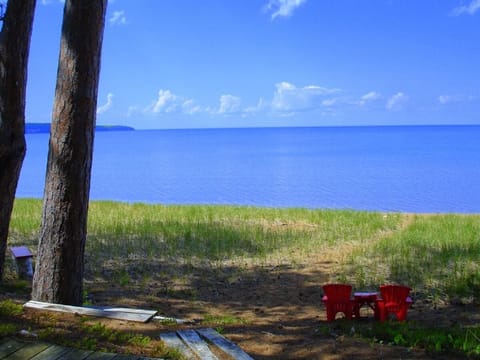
246,63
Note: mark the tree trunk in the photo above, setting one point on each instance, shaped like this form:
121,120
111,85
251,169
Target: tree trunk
14,49
60,259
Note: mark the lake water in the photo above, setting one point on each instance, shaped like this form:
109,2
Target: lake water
410,169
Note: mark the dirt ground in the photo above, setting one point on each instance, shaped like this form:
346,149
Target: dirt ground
277,311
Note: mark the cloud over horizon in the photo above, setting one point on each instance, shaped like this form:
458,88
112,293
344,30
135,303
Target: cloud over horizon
118,18
105,107
369,97
452,99
469,9
282,8
288,97
396,102
229,104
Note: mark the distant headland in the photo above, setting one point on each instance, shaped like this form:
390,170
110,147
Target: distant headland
42,128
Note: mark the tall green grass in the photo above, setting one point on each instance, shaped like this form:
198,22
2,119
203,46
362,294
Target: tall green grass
219,232
437,255
214,235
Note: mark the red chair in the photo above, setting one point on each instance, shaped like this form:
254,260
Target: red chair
394,300
338,298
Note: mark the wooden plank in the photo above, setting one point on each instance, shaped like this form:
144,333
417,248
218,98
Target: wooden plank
224,344
172,340
130,357
198,346
126,310
101,356
28,351
76,354
8,347
111,314
51,353
125,357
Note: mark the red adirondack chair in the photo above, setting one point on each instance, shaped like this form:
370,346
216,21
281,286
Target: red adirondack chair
395,300
338,298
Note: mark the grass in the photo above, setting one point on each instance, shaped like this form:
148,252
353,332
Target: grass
217,236
209,233
451,340
437,255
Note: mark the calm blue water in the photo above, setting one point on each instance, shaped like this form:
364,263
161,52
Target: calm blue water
411,169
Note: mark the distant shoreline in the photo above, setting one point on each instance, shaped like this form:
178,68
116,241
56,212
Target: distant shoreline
44,128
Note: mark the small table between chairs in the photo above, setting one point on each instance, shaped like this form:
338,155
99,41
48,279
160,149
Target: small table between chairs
365,298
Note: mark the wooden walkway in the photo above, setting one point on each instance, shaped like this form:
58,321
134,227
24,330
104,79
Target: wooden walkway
11,349
204,344
199,344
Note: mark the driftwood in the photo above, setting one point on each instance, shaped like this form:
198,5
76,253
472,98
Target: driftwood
136,315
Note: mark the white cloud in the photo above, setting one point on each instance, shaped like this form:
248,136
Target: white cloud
329,102
166,102
190,107
369,97
229,104
105,107
118,18
447,99
451,99
284,8
288,97
287,100
261,106
470,9
396,102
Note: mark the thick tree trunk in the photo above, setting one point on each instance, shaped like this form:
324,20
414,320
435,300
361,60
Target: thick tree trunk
14,50
60,259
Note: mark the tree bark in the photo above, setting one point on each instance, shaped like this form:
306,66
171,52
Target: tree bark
14,50
60,259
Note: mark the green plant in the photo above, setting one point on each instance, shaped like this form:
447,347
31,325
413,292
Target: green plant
124,278
219,320
88,343
86,300
9,308
8,329
139,340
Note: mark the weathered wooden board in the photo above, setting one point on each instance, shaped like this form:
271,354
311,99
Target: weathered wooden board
101,356
76,354
52,352
172,340
119,309
27,352
129,357
198,346
9,347
112,313
224,344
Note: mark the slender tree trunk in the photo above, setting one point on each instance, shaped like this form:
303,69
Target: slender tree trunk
14,49
60,259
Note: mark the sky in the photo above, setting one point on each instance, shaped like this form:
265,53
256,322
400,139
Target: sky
173,64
